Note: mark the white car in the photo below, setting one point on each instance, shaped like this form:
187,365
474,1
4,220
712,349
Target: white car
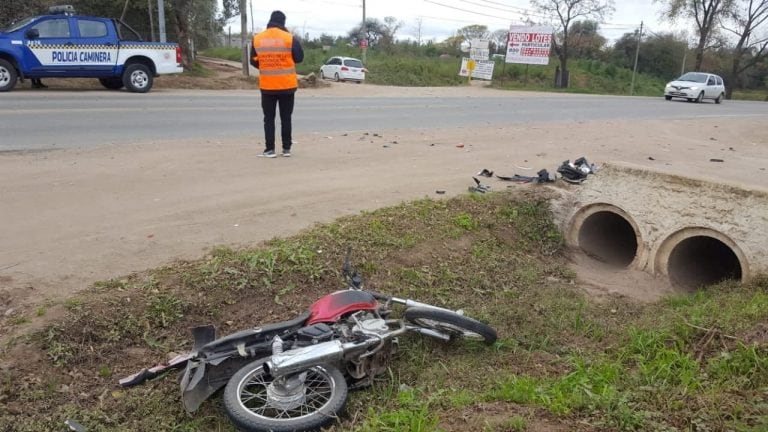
696,86
343,69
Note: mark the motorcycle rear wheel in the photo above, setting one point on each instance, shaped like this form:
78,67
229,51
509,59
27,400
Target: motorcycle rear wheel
451,323
247,403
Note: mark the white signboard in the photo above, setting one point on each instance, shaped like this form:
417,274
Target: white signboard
529,44
479,43
479,53
483,69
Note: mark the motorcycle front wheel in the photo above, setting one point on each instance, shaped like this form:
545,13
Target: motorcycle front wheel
255,402
450,323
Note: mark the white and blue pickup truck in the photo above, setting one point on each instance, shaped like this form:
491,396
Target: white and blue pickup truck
65,45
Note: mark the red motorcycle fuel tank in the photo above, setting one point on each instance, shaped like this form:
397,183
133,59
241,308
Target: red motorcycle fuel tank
331,307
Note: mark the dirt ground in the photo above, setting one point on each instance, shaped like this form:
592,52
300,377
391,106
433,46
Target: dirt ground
72,217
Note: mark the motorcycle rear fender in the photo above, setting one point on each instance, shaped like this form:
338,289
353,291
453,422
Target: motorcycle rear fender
216,360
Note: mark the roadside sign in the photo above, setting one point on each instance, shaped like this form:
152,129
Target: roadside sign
529,44
479,53
479,69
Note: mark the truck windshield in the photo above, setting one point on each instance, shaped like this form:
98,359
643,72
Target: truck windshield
18,25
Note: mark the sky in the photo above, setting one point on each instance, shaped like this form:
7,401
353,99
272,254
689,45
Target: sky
440,18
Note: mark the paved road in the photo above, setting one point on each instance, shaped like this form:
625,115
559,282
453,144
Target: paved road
41,121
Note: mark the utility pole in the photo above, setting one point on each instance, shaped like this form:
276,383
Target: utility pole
161,19
682,66
252,20
365,33
637,55
151,20
244,37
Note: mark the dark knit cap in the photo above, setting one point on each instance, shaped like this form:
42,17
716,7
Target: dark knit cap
277,18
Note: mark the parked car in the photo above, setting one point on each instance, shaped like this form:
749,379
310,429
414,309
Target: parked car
695,87
343,69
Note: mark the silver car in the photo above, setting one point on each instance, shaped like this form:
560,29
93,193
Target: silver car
695,87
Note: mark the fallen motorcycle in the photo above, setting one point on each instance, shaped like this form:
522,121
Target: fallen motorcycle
305,366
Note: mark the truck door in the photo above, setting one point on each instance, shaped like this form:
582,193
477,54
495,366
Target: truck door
96,44
49,42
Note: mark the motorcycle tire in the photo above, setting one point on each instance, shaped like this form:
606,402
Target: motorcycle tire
248,406
451,323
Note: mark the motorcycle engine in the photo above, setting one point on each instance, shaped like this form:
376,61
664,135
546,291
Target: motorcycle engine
366,367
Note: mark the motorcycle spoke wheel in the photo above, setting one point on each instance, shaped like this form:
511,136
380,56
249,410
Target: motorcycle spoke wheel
451,323
249,405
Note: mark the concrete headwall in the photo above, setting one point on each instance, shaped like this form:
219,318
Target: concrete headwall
681,224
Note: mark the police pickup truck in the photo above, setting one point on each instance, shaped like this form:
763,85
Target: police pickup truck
65,45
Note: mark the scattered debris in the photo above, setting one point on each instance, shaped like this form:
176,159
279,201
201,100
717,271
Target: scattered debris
75,426
385,146
394,142
541,177
576,172
651,158
440,192
460,145
712,139
485,173
523,168
479,187
716,160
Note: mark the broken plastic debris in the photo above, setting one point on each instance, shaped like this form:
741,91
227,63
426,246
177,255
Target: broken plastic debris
479,187
75,426
485,173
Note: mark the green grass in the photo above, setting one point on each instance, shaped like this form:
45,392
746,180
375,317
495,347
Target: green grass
563,360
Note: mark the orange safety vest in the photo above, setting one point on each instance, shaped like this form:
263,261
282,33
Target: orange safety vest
277,71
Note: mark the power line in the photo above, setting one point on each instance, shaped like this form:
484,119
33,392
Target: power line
468,11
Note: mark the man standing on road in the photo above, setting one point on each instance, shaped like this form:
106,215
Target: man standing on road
275,53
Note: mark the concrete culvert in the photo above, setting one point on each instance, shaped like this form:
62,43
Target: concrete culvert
702,260
608,237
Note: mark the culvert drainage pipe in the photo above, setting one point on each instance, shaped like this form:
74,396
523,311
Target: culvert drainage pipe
702,260
606,234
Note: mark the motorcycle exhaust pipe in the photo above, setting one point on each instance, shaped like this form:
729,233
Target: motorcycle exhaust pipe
300,359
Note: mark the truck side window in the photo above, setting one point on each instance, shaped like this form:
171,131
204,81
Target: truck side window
53,28
91,29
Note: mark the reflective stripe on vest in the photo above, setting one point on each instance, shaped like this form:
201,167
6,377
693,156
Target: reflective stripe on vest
277,71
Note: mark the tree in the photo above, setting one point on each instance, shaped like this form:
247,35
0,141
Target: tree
586,42
374,32
743,21
499,39
14,10
564,13
418,29
661,53
705,13
474,31
390,28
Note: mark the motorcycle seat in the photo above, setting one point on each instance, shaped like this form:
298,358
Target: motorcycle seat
249,336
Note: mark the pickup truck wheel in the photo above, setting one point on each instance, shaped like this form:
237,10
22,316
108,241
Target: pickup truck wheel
8,76
111,83
137,78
